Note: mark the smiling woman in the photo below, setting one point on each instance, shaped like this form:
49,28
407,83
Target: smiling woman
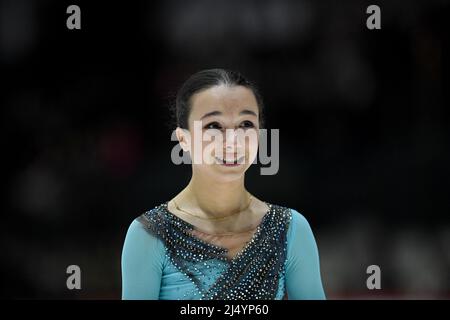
214,239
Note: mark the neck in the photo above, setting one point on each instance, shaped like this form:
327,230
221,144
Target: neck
217,198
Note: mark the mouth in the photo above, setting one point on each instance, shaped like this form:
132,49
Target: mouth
235,163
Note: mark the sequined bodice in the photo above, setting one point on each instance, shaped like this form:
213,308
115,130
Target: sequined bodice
253,273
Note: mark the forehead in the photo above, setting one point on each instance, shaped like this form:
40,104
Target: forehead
229,100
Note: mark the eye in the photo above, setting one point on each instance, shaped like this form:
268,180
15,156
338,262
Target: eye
247,124
213,125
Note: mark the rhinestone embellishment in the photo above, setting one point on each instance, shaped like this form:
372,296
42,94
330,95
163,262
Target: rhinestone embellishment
253,274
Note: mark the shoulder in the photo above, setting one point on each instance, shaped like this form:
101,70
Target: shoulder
293,217
150,221
298,220
139,235
297,225
300,236
137,228
143,231
141,249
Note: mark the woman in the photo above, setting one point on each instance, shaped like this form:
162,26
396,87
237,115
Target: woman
215,240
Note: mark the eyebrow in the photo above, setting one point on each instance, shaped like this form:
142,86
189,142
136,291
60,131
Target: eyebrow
218,113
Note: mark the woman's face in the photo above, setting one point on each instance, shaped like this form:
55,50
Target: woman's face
223,127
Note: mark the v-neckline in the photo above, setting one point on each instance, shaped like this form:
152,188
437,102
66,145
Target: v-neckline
223,250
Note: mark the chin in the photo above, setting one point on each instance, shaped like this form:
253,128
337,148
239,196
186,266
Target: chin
225,174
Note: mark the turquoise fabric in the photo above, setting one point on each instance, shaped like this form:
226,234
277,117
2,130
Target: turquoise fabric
147,273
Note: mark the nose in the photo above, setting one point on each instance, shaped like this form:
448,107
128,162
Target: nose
230,134
232,140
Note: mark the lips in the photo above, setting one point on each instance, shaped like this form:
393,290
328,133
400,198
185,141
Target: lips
235,162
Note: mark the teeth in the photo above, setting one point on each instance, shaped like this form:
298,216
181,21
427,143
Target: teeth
224,161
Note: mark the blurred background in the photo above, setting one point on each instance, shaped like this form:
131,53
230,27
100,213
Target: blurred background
363,118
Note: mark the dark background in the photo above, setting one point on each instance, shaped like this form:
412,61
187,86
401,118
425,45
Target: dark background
363,118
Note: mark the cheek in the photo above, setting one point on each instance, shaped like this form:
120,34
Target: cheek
209,149
204,148
212,144
196,148
252,149
251,142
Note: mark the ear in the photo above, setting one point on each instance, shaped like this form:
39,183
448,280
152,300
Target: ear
184,138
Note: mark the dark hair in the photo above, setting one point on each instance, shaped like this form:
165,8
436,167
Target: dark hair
206,79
